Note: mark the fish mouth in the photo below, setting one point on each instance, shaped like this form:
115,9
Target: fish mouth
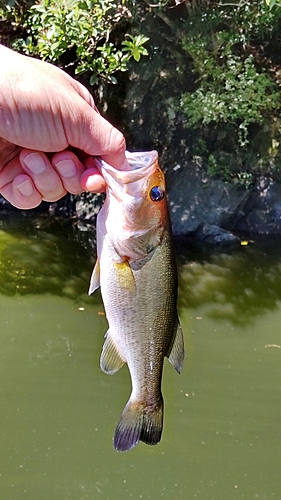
141,160
129,181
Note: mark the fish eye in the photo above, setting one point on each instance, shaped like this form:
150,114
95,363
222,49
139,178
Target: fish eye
157,193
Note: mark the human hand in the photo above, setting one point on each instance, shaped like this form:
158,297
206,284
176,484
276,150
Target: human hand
43,111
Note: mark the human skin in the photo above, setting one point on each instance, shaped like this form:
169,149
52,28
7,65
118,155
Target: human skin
50,130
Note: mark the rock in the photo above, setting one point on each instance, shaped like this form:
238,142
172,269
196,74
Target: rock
263,209
202,206
215,235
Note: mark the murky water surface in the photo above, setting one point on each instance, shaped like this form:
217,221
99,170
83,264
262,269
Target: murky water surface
222,432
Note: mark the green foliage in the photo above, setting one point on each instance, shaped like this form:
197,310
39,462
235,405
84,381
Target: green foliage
222,168
236,83
134,46
234,92
56,27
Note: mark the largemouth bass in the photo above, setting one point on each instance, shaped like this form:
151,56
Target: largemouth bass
137,274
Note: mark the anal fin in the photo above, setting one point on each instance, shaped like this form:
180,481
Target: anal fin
176,352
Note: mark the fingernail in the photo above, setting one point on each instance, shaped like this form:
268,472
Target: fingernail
35,163
66,168
25,188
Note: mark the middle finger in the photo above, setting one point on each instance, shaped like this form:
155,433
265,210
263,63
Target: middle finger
41,171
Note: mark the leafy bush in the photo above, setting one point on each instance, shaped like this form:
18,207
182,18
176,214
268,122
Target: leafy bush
58,28
236,82
232,92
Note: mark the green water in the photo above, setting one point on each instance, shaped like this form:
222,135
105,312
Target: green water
222,431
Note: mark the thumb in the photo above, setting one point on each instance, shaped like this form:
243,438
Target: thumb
92,133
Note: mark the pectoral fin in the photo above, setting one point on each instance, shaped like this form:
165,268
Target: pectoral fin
125,276
110,360
176,352
95,279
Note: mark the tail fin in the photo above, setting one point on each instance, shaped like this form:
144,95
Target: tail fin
139,423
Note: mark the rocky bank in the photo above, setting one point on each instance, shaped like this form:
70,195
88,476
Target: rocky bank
218,212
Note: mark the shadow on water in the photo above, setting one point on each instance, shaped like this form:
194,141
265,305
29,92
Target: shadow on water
235,283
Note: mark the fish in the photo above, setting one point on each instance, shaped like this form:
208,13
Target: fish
136,271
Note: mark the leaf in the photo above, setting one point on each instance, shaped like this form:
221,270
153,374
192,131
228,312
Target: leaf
141,39
270,3
127,45
136,54
143,51
93,79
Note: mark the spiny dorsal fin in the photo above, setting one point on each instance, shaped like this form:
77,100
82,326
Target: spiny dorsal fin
95,278
138,422
110,360
176,351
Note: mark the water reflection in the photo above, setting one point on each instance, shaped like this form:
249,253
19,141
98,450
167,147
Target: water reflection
39,256
236,284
